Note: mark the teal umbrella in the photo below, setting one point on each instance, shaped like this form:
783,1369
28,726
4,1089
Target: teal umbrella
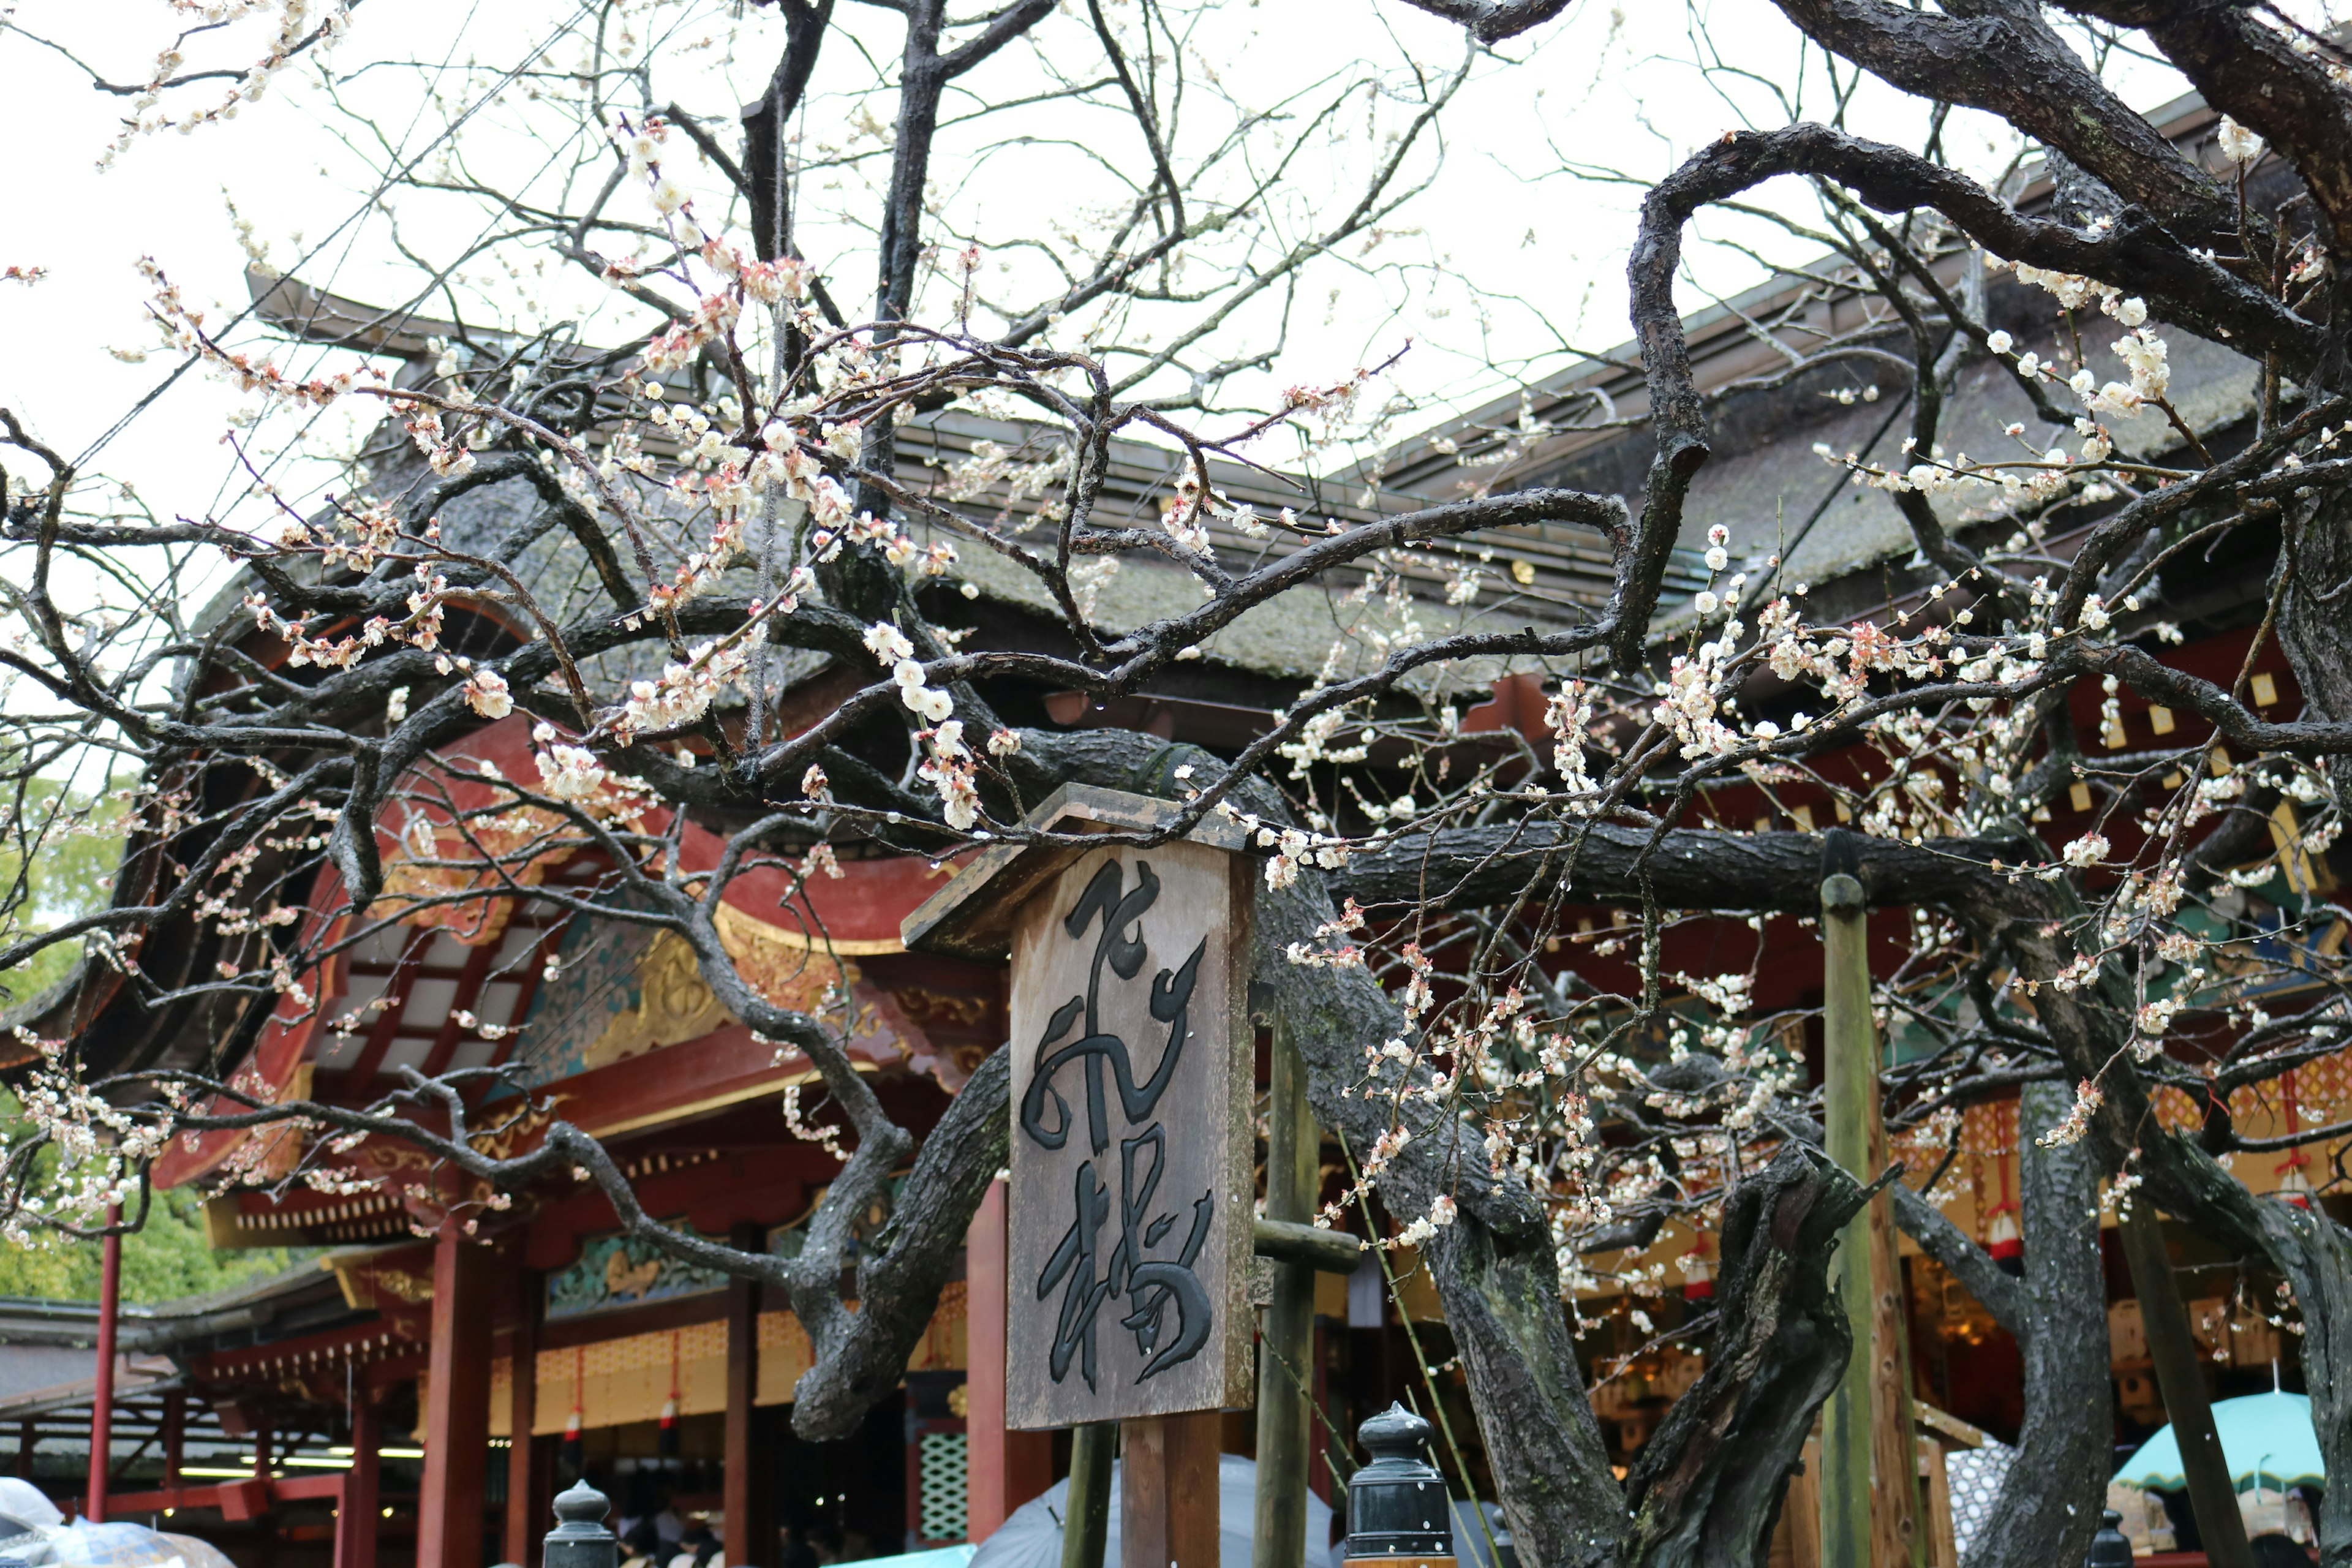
2267,1436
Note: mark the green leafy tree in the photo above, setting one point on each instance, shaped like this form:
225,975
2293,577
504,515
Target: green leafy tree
167,1259
57,864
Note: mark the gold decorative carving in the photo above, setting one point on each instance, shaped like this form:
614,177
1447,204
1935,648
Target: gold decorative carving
434,860
926,1006
780,965
673,1005
621,1280
401,1285
676,1004
504,1143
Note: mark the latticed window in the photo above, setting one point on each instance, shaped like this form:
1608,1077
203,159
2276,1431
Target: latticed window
941,1485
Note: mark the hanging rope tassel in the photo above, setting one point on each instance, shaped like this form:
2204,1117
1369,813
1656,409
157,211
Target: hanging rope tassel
574,1432
2294,1186
666,1443
2004,1243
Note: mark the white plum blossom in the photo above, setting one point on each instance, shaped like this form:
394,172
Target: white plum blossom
486,694
887,643
2077,1120
684,691
2239,145
1568,716
567,772
2088,851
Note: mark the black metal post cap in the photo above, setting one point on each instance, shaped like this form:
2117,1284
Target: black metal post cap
1397,1504
582,1504
2110,1548
579,1539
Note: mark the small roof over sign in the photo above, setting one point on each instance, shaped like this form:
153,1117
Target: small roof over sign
971,917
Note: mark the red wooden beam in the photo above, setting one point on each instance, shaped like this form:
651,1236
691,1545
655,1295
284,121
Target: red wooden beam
245,1499
101,1417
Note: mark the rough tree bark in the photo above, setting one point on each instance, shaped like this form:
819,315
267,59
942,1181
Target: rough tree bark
1707,1487
2048,1506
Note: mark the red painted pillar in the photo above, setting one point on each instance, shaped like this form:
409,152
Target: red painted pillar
357,1524
1005,1469
175,1436
749,1539
457,1405
524,1524
102,1414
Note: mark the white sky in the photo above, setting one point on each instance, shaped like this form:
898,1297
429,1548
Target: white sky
1514,258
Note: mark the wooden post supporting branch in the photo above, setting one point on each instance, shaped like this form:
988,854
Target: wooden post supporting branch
1086,1532
2181,1380
1869,1484
1168,1491
1286,1356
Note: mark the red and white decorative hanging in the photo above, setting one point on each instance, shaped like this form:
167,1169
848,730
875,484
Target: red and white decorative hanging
2294,1186
665,1441
574,1427
1698,1274
2003,1244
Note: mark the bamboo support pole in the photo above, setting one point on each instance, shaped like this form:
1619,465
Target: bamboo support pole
1087,1529
1869,1484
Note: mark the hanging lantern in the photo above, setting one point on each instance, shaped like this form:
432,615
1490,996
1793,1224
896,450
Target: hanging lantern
1698,1274
2003,1244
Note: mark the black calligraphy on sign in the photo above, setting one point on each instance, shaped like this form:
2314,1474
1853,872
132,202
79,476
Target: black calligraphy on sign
1167,1306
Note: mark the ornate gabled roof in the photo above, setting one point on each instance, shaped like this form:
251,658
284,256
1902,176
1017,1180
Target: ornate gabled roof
975,464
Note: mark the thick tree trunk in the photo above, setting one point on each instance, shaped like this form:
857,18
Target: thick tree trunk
2314,629
2182,1180
2049,1505
1708,1486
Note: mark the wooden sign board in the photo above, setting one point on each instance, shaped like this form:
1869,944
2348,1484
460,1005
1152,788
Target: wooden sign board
1130,1207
